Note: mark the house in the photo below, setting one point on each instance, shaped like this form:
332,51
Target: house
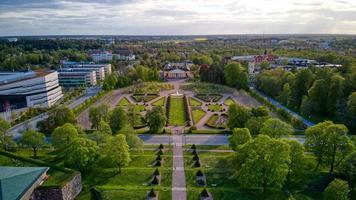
19,183
101,56
124,54
177,71
29,89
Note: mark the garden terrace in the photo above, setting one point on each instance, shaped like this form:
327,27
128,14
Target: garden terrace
134,182
229,101
124,102
160,102
215,107
150,87
206,88
197,114
194,102
144,97
209,97
217,121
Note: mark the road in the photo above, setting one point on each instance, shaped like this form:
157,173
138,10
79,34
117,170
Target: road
276,103
200,139
16,130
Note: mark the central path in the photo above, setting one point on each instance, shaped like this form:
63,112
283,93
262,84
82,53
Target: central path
178,176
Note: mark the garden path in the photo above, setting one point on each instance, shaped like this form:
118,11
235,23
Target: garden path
179,190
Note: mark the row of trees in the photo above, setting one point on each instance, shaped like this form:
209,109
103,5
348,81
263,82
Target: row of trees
138,73
323,92
232,74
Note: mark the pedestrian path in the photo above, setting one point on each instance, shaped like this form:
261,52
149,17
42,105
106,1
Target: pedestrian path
179,191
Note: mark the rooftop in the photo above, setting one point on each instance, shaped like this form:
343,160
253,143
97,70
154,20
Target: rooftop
10,77
16,181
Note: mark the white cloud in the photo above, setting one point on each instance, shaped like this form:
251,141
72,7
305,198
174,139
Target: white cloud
19,17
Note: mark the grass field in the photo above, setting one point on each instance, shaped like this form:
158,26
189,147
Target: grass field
177,115
197,114
214,107
229,101
159,102
124,102
194,102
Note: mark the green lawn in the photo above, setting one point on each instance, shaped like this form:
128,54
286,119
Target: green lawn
214,107
124,102
197,114
177,115
194,102
229,101
159,102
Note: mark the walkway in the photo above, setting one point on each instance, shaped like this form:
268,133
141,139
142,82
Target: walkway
179,190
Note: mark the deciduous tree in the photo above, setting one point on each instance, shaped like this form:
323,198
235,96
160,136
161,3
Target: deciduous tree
33,139
275,128
116,152
156,119
337,190
239,136
117,119
64,135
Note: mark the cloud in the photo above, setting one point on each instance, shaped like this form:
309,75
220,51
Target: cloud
140,17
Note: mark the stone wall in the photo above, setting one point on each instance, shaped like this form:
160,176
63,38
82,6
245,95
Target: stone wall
68,192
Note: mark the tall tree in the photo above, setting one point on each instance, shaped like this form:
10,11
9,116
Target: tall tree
238,116
337,190
34,140
297,158
275,128
116,152
156,119
63,136
98,113
351,111
104,128
285,95
4,140
117,119
263,162
131,137
303,80
254,124
317,95
335,93
234,76
239,136
348,168
81,154
57,117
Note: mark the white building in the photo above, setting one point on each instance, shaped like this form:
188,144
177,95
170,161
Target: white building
101,69
29,89
101,56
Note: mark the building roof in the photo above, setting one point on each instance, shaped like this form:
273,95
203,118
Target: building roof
16,181
123,52
11,77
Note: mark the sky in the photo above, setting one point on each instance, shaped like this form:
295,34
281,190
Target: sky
176,17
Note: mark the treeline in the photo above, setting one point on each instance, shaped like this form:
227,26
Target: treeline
139,73
322,93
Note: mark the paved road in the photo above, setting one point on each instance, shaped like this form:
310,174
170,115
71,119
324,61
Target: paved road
16,130
276,103
200,139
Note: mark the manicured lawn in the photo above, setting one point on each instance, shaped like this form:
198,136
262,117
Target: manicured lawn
177,115
214,107
229,101
134,194
124,102
213,122
194,102
197,114
159,102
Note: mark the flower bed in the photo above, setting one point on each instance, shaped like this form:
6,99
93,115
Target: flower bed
209,97
217,121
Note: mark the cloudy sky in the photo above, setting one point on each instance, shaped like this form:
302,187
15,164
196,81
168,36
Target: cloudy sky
175,17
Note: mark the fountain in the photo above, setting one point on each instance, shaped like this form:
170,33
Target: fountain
176,94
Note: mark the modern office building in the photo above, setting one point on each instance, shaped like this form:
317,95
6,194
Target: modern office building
29,89
101,56
101,69
74,78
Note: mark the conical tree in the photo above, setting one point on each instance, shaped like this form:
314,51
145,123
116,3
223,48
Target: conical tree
155,181
161,146
156,172
159,158
199,173
193,147
194,152
204,193
159,152
158,163
152,193
197,164
195,157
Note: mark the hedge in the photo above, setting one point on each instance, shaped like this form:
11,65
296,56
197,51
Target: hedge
89,102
